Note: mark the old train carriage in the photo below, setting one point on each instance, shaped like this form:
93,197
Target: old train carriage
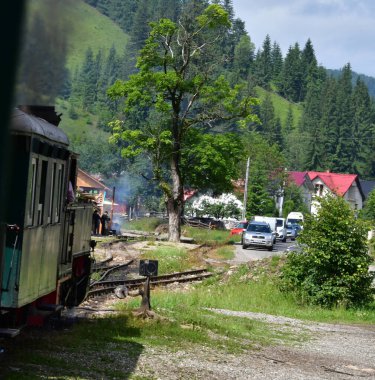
45,260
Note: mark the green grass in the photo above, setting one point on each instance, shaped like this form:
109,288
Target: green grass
83,127
281,106
143,224
84,27
170,259
206,236
253,291
226,252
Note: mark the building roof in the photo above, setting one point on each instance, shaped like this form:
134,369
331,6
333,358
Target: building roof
337,183
86,180
298,177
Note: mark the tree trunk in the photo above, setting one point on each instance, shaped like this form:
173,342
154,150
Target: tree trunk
176,197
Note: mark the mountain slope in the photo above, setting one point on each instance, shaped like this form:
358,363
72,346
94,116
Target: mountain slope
84,27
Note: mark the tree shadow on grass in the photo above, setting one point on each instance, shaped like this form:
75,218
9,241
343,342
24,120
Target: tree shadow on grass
97,348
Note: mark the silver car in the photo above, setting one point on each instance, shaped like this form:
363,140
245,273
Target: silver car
291,231
258,234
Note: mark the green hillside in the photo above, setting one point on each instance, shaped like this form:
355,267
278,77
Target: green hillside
85,27
281,106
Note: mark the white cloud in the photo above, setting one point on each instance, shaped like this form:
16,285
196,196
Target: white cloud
341,30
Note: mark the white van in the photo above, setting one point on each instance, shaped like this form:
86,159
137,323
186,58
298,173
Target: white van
295,218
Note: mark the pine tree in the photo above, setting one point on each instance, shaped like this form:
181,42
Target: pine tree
329,127
141,26
265,68
271,125
89,79
243,57
362,128
309,67
342,162
291,83
310,126
276,62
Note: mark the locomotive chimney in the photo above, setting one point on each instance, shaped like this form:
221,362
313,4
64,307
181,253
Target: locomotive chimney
47,113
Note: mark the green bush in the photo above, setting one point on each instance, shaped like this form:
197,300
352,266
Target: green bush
332,267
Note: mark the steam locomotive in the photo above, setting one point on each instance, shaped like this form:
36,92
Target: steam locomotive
45,244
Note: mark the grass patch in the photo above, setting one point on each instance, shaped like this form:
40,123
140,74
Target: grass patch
84,28
281,106
206,236
172,259
144,224
225,253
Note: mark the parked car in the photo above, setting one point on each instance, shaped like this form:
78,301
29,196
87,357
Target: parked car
291,231
281,229
240,228
258,234
271,221
297,227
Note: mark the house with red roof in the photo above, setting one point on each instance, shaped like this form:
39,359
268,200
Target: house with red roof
323,183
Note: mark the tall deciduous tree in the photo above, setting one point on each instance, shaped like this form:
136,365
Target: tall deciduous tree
177,85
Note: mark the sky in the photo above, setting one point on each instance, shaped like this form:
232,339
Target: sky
341,31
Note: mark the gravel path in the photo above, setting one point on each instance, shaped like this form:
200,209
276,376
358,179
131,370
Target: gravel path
334,352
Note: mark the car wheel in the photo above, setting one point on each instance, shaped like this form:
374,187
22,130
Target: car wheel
293,239
270,248
244,246
284,240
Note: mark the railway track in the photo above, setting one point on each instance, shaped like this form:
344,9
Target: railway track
107,271
108,286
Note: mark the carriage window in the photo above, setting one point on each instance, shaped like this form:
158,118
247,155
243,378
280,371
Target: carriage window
59,187
42,191
32,190
52,192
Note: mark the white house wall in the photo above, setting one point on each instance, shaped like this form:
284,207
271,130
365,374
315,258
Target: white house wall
352,196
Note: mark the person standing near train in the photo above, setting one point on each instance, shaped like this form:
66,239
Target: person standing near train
95,222
105,223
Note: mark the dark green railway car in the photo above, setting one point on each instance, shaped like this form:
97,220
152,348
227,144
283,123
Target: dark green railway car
46,258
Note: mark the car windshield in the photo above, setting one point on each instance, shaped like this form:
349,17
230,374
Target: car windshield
279,222
259,228
294,221
241,225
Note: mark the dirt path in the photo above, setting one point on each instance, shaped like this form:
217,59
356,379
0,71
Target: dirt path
334,352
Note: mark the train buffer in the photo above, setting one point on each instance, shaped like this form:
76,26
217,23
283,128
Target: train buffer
8,333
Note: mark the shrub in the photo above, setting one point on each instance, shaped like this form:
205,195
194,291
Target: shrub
332,267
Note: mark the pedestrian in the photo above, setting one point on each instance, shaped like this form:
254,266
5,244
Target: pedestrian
95,222
105,223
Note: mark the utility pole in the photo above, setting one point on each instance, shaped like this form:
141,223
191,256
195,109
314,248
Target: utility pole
281,203
112,205
245,191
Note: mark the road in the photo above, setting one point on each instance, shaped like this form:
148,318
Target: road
245,255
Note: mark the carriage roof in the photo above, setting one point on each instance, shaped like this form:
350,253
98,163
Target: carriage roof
27,124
